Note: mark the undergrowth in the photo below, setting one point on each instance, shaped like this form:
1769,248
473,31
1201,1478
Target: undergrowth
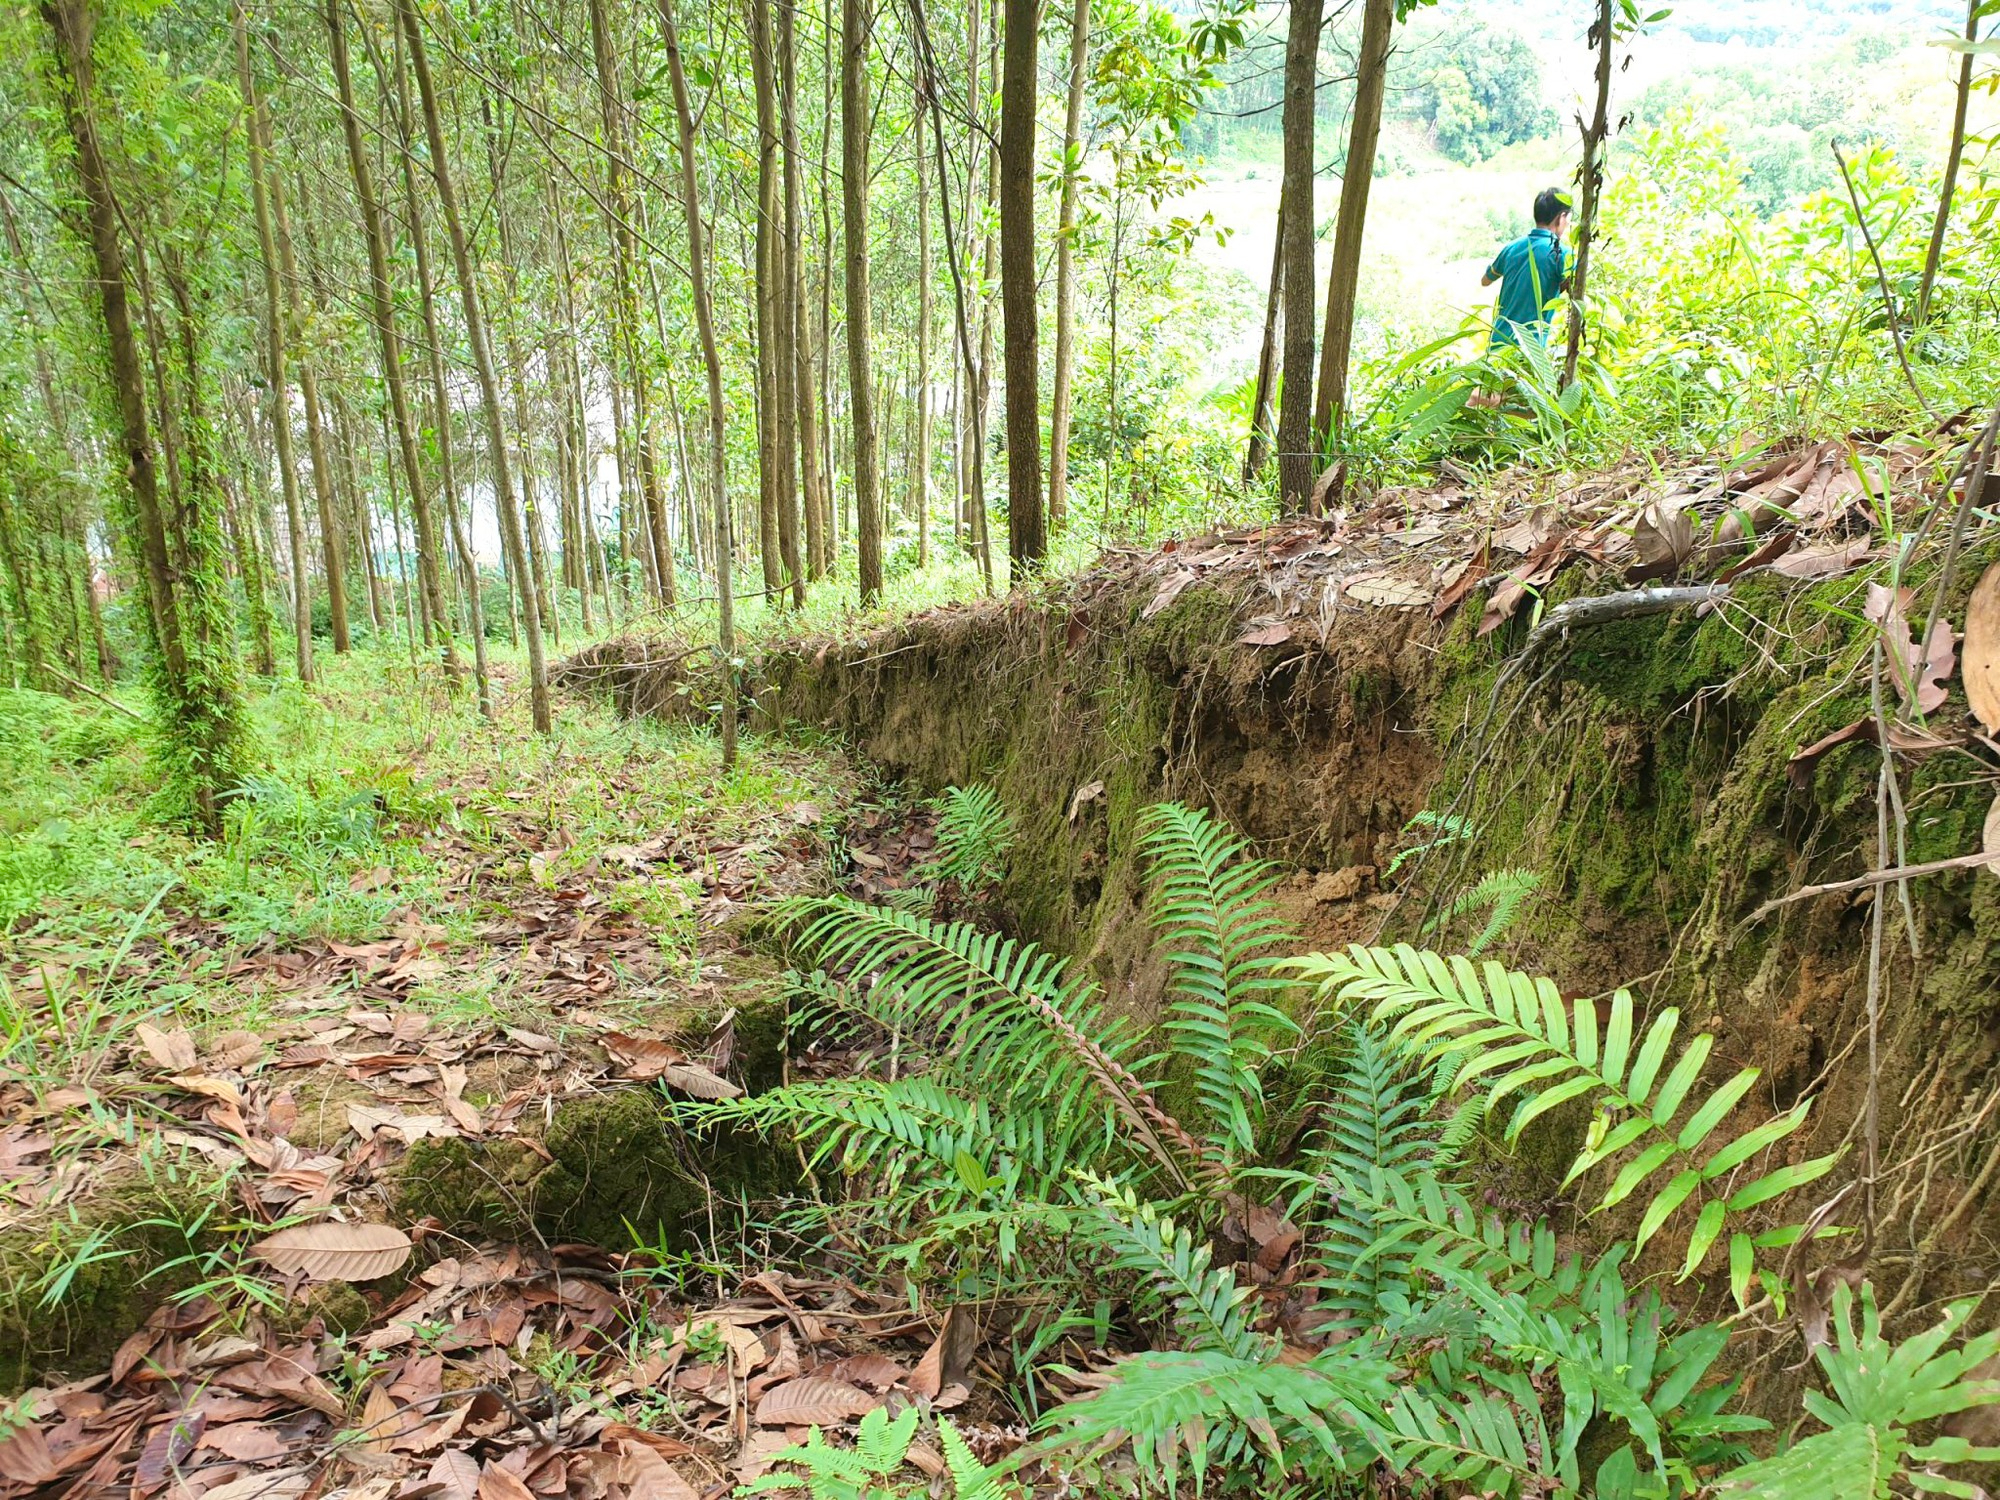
1319,1296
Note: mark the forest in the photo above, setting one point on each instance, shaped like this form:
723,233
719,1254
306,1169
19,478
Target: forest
971,748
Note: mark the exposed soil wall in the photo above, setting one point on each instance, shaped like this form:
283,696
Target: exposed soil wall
1643,778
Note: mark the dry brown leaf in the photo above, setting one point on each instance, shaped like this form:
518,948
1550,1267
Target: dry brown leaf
1990,836
874,1370
813,1401
25,1460
456,1473
693,1078
1386,591
246,1442
1168,592
332,1251
496,1483
643,1057
1829,561
233,1049
171,1051
1266,635
648,1476
1981,654
258,1485
1662,540
381,1419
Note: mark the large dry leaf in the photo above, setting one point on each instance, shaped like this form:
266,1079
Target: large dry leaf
257,1485
1662,540
642,1057
1168,592
1386,590
692,1078
336,1252
456,1474
813,1401
1982,649
1266,635
1828,561
648,1476
25,1460
171,1051
246,1442
496,1483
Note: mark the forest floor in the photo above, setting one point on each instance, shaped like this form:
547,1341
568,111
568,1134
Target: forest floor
418,929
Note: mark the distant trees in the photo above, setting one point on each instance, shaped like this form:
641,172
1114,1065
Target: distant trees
1477,89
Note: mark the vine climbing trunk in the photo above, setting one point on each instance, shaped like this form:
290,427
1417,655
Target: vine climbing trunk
1592,182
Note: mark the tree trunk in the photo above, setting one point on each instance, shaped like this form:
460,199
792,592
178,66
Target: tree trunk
325,494
382,306
805,397
196,687
1267,358
1343,279
1027,538
482,358
1954,153
769,271
855,23
280,394
1594,137
1295,450
920,479
718,458
1066,233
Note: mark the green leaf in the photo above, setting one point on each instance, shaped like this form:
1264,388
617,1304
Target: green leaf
1706,1229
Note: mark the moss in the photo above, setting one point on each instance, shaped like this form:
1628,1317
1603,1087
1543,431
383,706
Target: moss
474,1189
617,1170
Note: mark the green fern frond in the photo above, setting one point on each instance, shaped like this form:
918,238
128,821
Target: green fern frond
1179,1276
1500,894
1012,1020
1444,829
1375,1122
970,1479
974,835
1878,1392
1484,1442
1214,1409
1210,904
1513,1034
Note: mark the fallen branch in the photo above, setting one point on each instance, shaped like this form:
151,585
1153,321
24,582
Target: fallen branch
1872,878
1602,609
105,698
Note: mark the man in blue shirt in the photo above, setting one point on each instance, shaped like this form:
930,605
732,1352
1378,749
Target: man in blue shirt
1531,272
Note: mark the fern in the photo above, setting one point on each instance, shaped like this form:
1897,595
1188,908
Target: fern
1202,1299
1879,1391
1445,829
1210,905
1501,895
1514,1034
1376,1123
1213,1408
881,1447
974,835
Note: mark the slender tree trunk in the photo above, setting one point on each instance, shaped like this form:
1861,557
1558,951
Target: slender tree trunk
855,24
920,483
1027,536
1261,396
1295,449
440,388
784,391
704,312
430,577
1343,279
764,291
275,372
1954,153
482,357
1595,134
1066,233
805,399
324,493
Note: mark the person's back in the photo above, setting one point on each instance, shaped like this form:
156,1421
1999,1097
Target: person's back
1531,272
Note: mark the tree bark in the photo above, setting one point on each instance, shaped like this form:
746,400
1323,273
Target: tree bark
1066,233
482,357
1027,537
1295,450
1259,450
854,132
1954,153
1343,280
805,397
274,356
920,479
382,307
1594,136
769,272
718,458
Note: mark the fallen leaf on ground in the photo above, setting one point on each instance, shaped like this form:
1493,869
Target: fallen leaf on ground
1386,591
1266,635
1982,649
331,1251
813,1401
692,1078
171,1051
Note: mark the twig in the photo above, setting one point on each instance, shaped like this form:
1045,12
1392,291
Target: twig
1882,280
1872,878
1601,609
1979,455
105,698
